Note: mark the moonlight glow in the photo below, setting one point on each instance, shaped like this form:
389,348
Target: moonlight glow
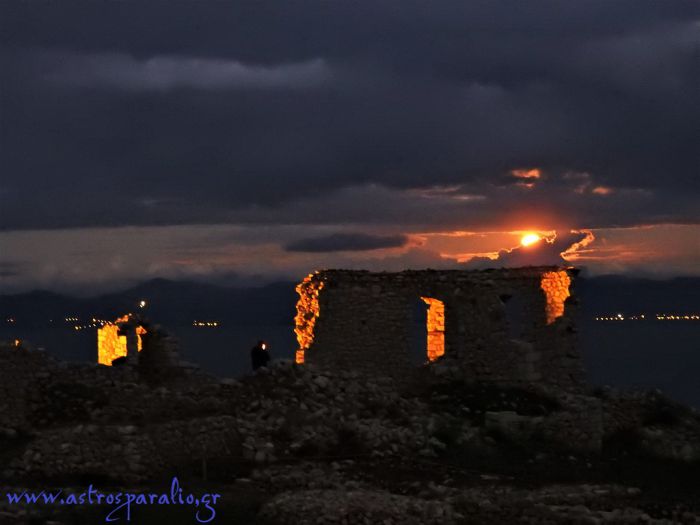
530,239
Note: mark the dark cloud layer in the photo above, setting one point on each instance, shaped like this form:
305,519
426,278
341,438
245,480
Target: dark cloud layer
347,242
9,269
141,113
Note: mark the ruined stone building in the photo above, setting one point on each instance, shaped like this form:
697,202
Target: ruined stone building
146,346
510,326
121,338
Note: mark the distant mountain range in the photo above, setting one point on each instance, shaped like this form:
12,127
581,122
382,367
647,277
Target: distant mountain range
181,302
167,302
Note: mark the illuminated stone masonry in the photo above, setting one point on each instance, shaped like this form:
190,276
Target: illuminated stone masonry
510,326
114,339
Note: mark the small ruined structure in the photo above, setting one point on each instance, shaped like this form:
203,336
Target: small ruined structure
510,326
134,340
121,338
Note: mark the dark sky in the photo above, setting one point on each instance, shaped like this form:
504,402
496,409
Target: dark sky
265,139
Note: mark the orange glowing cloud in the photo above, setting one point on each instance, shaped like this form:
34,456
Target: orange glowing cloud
526,177
574,251
661,249
533,173
537,248
602,190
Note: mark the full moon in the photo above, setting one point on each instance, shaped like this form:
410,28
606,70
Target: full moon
529,239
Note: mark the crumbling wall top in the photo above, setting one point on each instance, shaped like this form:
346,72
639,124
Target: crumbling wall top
416,278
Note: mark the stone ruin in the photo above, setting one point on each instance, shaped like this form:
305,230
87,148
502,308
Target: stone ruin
63,423
133,340
509,326
119,339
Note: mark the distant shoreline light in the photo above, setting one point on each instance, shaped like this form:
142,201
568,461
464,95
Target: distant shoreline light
643,317
205,324
617,317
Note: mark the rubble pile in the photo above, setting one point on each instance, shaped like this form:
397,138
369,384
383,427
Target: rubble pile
340,447
584,503
336,506
651,424
309,412
556,504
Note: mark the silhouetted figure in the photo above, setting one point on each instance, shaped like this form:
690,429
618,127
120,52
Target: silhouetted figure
119,361
259,355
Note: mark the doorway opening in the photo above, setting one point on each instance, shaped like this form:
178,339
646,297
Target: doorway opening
516,316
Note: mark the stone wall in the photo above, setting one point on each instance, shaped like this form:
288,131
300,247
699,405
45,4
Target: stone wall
38,391
115,339
19,369
364,321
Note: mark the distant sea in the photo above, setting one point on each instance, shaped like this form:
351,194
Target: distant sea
645,354
223,351
650,354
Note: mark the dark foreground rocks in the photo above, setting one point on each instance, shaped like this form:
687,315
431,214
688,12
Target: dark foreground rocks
295,444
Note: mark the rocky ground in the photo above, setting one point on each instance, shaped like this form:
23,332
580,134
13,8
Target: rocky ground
295,445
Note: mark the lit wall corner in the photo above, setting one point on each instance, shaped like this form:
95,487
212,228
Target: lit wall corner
308,311
111,345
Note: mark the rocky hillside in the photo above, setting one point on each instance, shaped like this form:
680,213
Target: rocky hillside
296,445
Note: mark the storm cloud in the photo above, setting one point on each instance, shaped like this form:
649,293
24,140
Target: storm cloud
228,110
165,73
383,117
